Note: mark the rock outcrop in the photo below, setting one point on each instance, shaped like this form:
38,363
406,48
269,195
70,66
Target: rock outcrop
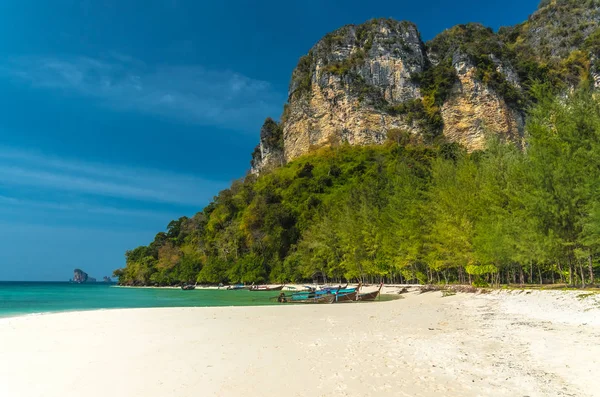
269,153
359,82
340,91
473,110
559,27
79,276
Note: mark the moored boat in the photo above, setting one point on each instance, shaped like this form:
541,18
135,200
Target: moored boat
370,296
313,298
188,287
341,297
265,288
340,291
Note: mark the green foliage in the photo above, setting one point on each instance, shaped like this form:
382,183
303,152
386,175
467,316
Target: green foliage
303,76
271,134
469,39
560,27
428,119
436,84
404,212
346,65
399,136
574,69
592,42
484,49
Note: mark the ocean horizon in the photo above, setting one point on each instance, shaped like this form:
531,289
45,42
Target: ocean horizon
37,297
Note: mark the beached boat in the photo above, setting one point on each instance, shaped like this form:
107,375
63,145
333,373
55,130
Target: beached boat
345,294
327,291
188,287
313,298
370,296
346,297
265,288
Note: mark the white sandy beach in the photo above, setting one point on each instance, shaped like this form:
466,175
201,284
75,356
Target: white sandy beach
500,344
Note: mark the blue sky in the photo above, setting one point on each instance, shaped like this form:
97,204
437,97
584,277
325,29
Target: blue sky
120,115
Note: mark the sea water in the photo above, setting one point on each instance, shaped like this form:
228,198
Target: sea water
17,298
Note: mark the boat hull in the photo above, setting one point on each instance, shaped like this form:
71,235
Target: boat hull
266,289
349,297
371,296
318,299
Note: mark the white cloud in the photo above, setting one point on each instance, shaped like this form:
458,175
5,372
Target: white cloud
188,93
9,203
18,169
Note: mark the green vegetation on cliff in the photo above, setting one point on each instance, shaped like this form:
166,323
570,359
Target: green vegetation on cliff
404,212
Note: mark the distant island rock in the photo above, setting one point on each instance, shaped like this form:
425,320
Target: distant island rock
79,276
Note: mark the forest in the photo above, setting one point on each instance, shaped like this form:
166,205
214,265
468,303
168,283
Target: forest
516,213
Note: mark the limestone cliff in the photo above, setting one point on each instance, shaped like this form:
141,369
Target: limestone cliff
474,110
559,27
339,91
269,152
359,82
486,97
79,276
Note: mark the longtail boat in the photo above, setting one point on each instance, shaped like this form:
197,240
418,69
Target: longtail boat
346,297
265,288
188,287
370,296
317,299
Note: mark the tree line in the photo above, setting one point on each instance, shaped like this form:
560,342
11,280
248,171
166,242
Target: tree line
525,212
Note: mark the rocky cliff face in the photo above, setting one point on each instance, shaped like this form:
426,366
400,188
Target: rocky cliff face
340,90
473,110
359,82
269,153
559,27
79,276
486,97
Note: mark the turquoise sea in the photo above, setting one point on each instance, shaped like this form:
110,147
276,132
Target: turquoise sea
18,298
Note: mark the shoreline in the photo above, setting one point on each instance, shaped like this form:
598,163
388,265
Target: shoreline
391,291
502,344
3,317
169,297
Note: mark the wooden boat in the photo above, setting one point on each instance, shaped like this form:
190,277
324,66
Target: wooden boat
316,299
336,291
188,287
370,296
265,288
346,297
